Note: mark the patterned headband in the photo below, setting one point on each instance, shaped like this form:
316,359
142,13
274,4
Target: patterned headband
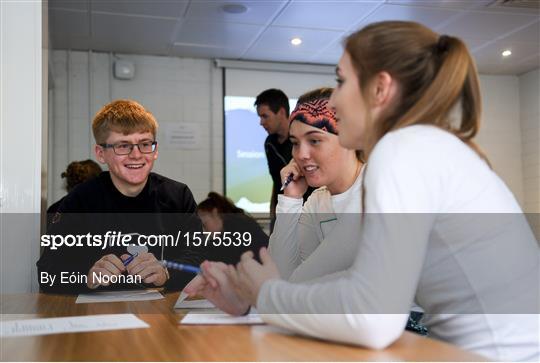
317,114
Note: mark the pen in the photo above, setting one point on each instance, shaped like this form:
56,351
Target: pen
287,182
181,266
129,259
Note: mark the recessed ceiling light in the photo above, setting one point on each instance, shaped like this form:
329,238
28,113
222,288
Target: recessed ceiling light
234,8
506,53
296,41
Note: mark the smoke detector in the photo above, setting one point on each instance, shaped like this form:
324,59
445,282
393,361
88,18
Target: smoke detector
234,8
123,69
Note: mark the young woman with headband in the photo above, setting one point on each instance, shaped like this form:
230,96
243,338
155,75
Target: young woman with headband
312,240
306,243
439,227
308,240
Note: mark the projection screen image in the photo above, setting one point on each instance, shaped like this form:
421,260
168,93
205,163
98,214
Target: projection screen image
248,182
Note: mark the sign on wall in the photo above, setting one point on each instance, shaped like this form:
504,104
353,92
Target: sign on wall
180,136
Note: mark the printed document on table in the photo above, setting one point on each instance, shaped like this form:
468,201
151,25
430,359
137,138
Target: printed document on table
182,303
217,317
71,324
119,296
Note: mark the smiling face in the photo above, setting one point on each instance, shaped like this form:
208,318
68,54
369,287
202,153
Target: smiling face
350,106
129,173
320,157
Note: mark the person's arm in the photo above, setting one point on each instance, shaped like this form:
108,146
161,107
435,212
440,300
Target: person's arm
65,260
55,263
369,304
258,237
273,196
336,252
293,229
295,234
273,202
185,252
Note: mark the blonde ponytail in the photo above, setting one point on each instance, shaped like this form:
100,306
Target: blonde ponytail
435,75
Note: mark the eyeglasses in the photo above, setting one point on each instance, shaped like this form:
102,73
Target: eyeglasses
146,147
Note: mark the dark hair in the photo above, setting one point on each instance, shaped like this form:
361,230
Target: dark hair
274,99
78,172
219,202
435,73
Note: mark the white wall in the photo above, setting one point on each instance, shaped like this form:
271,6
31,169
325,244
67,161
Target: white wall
529,96
180,90
21,100
500,132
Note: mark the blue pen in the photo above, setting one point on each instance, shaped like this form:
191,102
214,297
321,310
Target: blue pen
181,267
129,259
287,182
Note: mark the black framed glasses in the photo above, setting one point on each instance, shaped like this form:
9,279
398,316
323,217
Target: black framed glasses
145,147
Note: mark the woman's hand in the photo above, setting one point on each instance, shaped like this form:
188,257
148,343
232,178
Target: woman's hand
195,286
215,286
249,275
298,186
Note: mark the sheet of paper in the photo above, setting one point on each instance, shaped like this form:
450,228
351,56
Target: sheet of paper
217,317
7,317
182,297
194,304
72,324
182,303
118,296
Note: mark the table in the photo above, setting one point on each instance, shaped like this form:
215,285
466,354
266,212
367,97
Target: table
166,340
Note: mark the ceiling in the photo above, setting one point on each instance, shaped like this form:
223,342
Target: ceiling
202,29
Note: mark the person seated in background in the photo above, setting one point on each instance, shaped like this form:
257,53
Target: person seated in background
127,199
77,172
219,214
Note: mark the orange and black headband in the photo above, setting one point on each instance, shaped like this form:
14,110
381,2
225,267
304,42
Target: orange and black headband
317,114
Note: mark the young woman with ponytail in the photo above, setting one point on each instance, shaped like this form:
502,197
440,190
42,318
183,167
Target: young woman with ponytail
439,227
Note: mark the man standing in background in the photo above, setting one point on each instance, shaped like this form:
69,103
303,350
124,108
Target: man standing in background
273,110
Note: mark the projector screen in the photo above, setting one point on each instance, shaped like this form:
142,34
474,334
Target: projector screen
247,180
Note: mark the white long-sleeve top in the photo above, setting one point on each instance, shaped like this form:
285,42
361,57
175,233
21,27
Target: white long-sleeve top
310,241
441,228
